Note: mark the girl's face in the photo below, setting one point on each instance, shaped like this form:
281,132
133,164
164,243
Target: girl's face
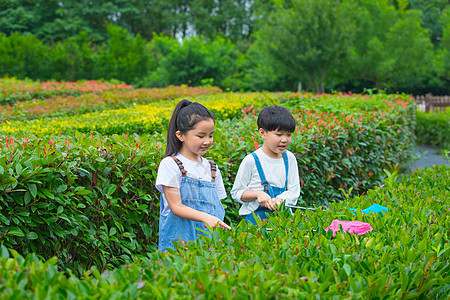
198,140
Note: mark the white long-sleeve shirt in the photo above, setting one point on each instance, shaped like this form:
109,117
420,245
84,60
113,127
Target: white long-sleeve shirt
247,178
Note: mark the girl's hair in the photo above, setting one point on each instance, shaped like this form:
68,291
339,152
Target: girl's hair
184,118
276,118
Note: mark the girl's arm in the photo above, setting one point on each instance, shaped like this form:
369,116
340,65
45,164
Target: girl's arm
180,210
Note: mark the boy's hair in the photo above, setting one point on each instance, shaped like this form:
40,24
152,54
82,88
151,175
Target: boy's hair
276,118
184,118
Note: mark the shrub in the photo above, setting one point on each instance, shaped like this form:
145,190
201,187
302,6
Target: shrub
22,56
90,198
289,256
433,128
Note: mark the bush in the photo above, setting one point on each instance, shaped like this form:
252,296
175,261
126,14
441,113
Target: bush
84,199
289,256
191,63
124,57
22,56
90,198
433,128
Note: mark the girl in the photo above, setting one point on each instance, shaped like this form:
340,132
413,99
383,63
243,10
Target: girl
191,187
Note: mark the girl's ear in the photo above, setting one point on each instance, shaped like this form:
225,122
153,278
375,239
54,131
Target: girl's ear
179,136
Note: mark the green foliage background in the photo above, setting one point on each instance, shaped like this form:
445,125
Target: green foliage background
324,45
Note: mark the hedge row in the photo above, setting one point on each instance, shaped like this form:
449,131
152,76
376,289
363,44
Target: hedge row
433,128
95,102
153,117
406,256
90,198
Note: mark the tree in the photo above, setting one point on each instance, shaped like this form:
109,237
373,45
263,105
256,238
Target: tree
390,48
191,62
431,12
232,19
308,40
445,21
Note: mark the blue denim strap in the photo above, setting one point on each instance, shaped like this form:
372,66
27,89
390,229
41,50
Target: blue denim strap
264,181
286,166
261,172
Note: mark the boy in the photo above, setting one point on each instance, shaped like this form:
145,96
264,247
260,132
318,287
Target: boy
268,176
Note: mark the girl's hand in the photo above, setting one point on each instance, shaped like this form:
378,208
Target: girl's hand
215,222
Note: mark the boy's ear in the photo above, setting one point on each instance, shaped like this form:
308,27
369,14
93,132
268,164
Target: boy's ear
179,135
262,132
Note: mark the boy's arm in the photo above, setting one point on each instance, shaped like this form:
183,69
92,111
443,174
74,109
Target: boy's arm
242,180
241,192
185,212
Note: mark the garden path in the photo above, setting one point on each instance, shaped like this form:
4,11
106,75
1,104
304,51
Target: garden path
428,156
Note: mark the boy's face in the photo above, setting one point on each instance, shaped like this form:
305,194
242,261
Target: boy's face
275,142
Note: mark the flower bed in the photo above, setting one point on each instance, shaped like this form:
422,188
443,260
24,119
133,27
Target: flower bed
91,102
13,90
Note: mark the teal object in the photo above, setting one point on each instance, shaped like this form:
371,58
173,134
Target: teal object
375,208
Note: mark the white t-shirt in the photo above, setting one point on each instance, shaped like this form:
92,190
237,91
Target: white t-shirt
169,174
247,178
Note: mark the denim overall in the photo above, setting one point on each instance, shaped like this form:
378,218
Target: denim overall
197,194
271,190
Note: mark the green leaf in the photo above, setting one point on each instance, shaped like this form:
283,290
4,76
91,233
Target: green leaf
33,190
27,198
19,169
5,252
60,210
4,219
112,231
83,192
62,188
16,232
347,269
32,235
48,194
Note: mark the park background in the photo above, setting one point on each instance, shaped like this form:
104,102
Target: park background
238,45
87,91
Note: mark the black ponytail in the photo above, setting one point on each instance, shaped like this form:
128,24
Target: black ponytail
184,118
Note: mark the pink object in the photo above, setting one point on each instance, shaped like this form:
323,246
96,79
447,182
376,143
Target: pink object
350,226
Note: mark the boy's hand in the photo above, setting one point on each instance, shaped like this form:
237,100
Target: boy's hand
277,201
265,201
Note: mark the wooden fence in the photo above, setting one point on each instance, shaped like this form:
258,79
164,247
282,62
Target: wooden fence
429,102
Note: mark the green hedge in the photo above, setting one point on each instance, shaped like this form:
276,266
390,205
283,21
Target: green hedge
90,198
433,128
405,256
85,199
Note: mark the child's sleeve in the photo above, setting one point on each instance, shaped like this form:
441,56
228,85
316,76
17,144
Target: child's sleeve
242,179
220,188
168,174
293,188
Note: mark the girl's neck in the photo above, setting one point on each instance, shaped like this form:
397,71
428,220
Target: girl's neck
191,156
